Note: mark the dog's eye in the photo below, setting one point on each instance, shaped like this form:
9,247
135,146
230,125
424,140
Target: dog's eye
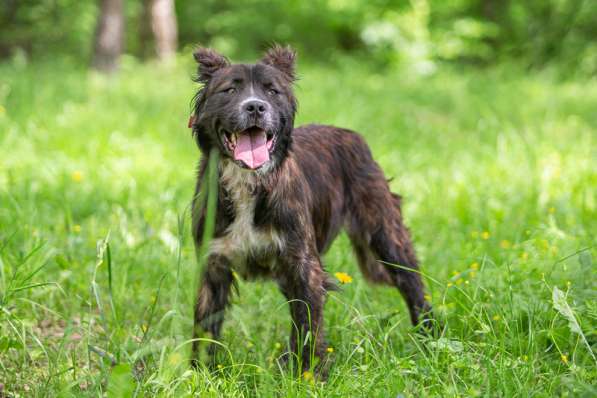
272,91
230,90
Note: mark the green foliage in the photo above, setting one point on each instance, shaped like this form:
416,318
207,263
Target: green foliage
415,34
498,178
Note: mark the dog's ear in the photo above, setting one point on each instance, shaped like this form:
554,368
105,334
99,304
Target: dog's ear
281,58
209,63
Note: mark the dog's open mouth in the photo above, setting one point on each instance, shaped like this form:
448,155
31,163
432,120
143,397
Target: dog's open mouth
250,146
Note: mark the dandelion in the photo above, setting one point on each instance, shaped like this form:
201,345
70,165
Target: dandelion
343,277
565,358
330,349
308,376
475,266
505,244
485,235
76,228
77,176
496,317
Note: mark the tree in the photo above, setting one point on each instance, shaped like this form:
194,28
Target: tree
159,27
109,36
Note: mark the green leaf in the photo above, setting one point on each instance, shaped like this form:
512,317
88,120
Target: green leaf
121,382
561,305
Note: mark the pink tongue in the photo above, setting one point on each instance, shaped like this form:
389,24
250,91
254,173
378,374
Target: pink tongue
251,148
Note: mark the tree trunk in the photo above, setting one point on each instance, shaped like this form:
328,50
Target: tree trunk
159,21
109,36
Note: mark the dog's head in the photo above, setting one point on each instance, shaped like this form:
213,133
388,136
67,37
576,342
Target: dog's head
246,111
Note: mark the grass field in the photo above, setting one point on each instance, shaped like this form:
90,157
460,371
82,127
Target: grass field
498,171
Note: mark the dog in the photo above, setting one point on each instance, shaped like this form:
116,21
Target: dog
283,195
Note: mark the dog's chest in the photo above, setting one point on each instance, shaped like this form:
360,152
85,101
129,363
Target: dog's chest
242,241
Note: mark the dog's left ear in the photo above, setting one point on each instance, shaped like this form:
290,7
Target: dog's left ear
281,58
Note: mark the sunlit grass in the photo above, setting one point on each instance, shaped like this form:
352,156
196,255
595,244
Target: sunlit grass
497,170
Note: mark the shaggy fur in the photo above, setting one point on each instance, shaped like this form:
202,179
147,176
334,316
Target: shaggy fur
277,220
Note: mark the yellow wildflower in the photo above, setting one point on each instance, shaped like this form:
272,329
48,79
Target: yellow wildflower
496,317
427,297
308,376
343,277
77,176
505,244
475,266
485,235
565,358
330,349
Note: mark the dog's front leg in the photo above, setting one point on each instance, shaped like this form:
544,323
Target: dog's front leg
212,299
302,281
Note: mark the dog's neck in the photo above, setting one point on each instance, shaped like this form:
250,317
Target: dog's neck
235,178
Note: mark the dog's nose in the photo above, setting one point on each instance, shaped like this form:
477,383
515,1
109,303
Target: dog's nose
255,107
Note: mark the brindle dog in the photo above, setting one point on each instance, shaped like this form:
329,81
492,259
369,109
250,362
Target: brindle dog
284,193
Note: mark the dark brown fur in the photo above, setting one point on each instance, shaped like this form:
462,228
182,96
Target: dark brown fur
324,179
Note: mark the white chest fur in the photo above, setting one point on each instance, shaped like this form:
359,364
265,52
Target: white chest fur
241,239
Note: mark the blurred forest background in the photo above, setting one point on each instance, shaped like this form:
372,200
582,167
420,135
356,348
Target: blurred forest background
415,34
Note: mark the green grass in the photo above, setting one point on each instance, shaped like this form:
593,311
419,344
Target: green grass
97,268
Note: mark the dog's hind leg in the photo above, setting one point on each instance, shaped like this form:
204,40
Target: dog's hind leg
385,252
212,300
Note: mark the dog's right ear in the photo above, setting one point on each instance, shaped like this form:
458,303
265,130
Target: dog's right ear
209,63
